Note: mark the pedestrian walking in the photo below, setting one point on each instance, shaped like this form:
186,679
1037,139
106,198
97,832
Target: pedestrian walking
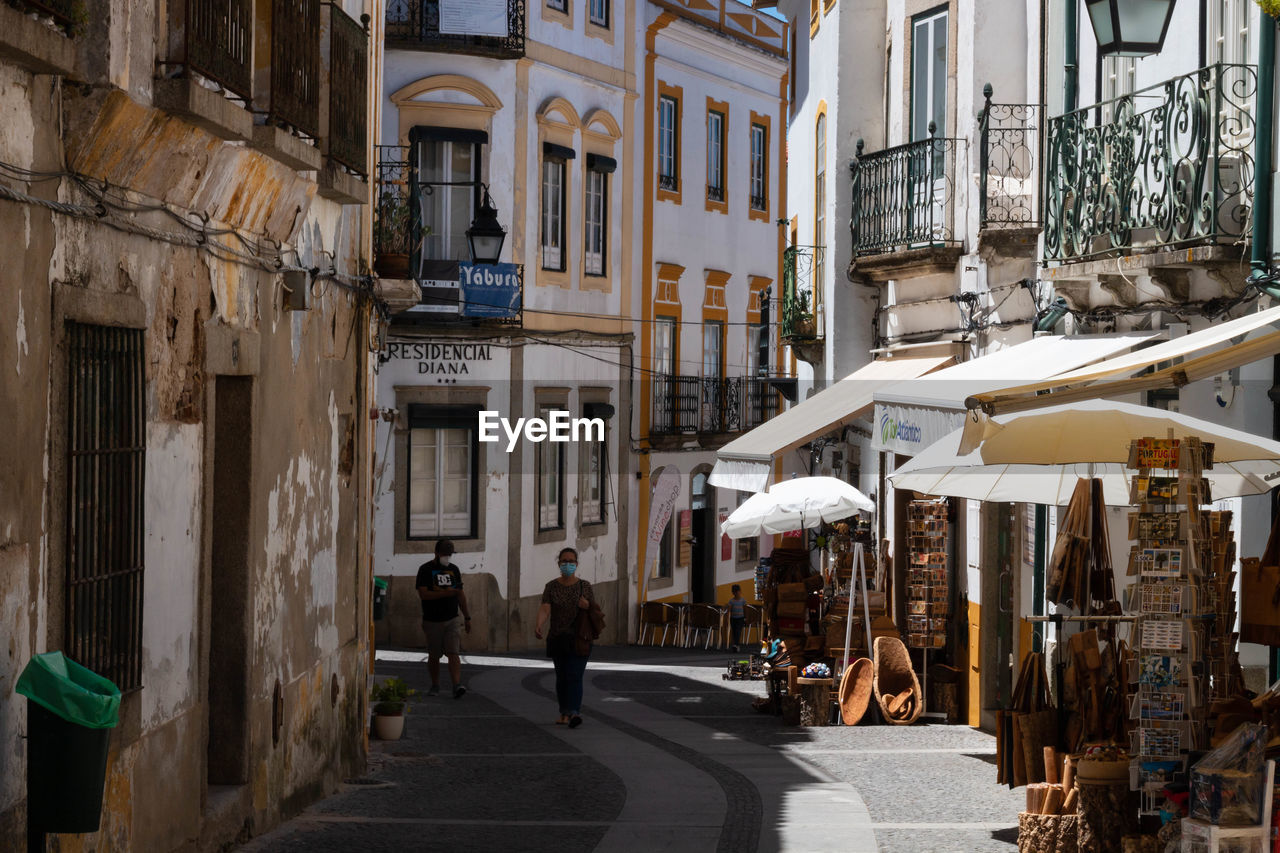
737,616
563,599
445,615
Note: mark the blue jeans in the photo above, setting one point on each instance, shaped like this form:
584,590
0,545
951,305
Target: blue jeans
569,670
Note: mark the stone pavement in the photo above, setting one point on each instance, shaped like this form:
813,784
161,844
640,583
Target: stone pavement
670,758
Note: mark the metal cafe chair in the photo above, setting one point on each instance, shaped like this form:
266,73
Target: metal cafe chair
655,614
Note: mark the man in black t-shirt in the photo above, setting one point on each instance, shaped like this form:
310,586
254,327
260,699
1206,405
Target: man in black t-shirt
440,587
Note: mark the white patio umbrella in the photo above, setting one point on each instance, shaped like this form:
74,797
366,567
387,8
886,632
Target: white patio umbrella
795,505
1037,456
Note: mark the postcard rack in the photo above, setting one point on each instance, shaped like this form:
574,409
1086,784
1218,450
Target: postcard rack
928,580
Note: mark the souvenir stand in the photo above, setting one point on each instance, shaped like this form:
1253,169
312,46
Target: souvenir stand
1131,765
928,580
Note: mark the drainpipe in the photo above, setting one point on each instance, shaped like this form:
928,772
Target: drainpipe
1071,66
1260,261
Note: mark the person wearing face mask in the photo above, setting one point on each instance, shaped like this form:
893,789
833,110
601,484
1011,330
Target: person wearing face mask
562,600
445,615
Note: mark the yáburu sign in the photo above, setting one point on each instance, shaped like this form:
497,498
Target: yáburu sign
490,290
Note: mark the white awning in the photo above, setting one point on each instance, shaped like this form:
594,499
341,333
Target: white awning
746,463
913,414
1209,352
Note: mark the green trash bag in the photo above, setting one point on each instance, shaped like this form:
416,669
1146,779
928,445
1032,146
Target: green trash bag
76,694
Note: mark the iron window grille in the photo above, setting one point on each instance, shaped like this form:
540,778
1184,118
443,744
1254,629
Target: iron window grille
105,489
415,25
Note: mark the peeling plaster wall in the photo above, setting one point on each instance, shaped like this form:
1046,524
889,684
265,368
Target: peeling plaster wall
304,548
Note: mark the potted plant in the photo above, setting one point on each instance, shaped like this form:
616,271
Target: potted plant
391,235
389,707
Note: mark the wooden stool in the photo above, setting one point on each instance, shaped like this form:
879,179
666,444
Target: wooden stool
815,700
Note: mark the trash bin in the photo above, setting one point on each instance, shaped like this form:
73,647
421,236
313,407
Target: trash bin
70,713
379,598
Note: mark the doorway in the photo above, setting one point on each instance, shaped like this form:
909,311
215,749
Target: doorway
702,569
227,672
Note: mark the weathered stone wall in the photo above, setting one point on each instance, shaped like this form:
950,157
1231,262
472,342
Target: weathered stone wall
203,316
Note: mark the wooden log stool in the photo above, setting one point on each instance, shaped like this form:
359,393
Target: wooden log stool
815,700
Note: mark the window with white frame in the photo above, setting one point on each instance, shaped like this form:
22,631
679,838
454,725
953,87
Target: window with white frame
1228,30
820,183
558,5
748,548
595,222
591,486
598,11
550,480
446,211
759,167
664,345
712,349
1119,74
442,462
668,142
715,155
929,75
553,174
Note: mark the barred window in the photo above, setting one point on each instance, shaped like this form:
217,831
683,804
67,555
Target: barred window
106,460
668,142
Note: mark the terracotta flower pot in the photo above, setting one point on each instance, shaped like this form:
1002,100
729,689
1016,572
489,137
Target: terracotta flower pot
388,726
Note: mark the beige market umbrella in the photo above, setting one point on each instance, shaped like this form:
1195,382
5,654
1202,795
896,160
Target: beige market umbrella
1037,456
795,505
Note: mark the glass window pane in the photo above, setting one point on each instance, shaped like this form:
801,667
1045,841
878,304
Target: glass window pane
920,81
939,86
456,496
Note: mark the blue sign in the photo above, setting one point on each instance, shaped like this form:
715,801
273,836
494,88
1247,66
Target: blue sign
490,290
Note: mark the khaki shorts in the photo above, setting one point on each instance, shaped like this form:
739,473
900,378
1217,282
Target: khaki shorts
443,638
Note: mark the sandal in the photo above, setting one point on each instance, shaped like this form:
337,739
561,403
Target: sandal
564,719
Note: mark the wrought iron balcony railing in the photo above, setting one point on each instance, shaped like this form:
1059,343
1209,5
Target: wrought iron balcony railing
802,293
762,401
715,193
1165,167
217,37
392,212
295,65
707,405
1009,166
759,202
905,197
348,91
668,182
416,25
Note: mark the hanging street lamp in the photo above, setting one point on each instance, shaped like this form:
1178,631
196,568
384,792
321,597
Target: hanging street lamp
486,234
1130,27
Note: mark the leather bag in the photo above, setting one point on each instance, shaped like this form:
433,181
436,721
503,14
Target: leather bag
1260,593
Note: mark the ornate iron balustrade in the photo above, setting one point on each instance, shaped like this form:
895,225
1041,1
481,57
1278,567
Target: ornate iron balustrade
802,293
348,91
295,65
759,202
415,24
63,12
762,401
1168,166
217,37
392,209
715,193
1009,164
698,404
904,197
668,182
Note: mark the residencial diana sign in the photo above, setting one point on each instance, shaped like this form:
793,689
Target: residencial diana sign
910,429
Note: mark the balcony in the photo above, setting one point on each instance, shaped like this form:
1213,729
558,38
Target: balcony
802,316
295,66
417,25
217,41
700,405
348,92
1166,168
453,291
904,197
38,35
1009,165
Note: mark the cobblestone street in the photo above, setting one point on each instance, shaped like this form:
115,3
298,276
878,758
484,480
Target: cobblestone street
671,757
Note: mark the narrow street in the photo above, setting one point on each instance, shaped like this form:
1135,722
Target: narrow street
671,757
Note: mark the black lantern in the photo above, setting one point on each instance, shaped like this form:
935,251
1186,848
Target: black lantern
486,234
1130,27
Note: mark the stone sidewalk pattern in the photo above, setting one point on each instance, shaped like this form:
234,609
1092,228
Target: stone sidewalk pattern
670,758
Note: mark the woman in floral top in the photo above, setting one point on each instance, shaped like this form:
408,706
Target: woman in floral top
562,599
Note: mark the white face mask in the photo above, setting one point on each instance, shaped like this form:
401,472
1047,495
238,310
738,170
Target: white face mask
443,560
